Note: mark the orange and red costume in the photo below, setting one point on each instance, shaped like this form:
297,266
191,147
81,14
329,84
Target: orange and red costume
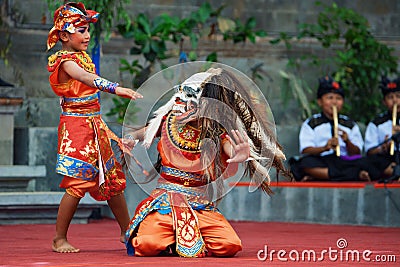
84,154
178,212
180,215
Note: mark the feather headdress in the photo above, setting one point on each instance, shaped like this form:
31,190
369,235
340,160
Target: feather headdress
224,102
245,112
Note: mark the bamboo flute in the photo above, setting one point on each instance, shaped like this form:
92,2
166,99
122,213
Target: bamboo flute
336,129
394,122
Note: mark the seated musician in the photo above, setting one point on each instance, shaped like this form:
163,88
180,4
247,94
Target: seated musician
323,155
378,146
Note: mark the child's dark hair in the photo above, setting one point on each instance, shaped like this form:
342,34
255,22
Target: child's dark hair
328,85
75,5
389,86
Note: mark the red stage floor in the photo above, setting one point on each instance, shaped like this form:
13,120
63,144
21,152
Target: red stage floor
30,245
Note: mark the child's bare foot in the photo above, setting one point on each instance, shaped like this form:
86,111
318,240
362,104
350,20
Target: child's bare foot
61,245
364,176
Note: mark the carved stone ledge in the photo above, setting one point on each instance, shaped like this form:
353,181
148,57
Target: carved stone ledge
41,207
20,178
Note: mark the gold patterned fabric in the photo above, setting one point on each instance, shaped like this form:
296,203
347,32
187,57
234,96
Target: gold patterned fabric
81,58
84,147
181,189
72,88
189,242
84,150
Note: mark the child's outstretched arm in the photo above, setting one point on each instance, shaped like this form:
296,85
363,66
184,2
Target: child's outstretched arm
72,70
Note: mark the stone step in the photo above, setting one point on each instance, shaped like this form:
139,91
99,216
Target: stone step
346,203
17,178
42,207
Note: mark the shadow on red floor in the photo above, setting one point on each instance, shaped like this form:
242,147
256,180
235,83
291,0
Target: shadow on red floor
264,244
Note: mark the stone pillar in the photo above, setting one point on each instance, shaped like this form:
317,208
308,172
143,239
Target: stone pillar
11,99
13,178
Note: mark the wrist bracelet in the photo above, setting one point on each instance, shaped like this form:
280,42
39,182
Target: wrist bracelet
105,85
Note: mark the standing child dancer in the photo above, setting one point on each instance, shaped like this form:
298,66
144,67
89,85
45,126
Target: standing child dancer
85,156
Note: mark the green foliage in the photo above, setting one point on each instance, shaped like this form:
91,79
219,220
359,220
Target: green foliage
299,89
120,109
152,38
213,57
359,59
5,47
241,32
5,50
121,104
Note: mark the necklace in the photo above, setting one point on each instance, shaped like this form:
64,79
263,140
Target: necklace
81,58
184,137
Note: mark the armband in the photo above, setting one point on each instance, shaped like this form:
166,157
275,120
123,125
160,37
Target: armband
105,85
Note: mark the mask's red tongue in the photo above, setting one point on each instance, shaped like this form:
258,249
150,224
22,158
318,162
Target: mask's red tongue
187,116
190,114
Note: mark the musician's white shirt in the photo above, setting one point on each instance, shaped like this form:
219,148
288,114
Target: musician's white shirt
377,130
318,129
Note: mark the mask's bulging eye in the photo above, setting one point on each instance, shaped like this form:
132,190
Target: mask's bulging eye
190,92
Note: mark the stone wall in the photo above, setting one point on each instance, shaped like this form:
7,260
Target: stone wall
342,204
28,55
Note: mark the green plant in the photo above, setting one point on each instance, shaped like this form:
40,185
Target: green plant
359,59
120,109
299,89
241,32
152,36
4,46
